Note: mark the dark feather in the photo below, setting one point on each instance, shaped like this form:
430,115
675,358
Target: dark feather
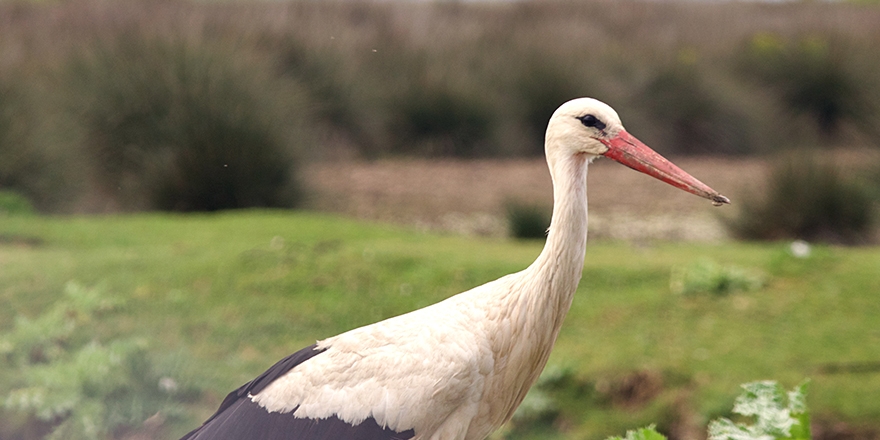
238,418
246,420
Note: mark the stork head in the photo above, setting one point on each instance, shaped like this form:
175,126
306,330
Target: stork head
591,127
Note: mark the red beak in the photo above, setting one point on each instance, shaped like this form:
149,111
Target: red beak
628,150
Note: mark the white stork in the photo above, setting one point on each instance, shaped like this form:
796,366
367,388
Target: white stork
455,370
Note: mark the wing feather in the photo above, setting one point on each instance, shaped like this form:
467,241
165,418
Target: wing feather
411,371
246,420
420,372
255,386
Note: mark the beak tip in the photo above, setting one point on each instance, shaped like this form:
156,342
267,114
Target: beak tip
718,200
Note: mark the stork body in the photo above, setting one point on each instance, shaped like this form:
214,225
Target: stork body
455,370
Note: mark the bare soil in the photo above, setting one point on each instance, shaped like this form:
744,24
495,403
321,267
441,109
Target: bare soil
469,197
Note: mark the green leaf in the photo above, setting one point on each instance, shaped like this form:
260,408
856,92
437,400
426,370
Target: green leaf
84,388
774,419
797,403
647,433
724,429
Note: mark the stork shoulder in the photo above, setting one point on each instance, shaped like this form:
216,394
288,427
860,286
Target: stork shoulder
409,371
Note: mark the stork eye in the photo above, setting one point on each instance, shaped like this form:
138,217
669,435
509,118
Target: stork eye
591,121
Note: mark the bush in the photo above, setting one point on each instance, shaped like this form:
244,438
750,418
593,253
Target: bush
810,200
774,418
542,87
692,116
71,386
165,115
32,165
527,221
435,121
14,157
706,276
766,402
333,101
12,203
178,126
813,79
647,433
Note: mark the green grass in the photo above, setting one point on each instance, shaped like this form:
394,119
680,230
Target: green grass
234,292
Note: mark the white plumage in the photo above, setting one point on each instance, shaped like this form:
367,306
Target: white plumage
455,370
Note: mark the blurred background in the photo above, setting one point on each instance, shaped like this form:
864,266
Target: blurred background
191,106
428,116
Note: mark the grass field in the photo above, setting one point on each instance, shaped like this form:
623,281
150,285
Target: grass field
226,295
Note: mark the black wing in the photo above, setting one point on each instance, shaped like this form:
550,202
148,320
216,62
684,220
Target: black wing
238,418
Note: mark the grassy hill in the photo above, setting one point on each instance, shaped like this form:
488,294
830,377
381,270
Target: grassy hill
215,299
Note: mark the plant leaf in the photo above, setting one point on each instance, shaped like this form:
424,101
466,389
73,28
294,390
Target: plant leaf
774,418
646,433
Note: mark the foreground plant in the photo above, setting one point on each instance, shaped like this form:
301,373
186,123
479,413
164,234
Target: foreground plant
73,386
774,418
647,433
766,402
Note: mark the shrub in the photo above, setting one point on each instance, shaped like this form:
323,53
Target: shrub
810,200
178,126
333,101
435,121
692,115
12,203
774,418
542,87
12,123
766,402
647,433
32,165
75,387
527,221
815,79
706,276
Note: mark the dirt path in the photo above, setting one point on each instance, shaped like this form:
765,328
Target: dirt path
469,196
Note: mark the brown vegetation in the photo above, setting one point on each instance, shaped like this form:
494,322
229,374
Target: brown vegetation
360,80
469,196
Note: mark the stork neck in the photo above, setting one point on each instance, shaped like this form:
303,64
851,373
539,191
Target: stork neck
541,294
560,264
